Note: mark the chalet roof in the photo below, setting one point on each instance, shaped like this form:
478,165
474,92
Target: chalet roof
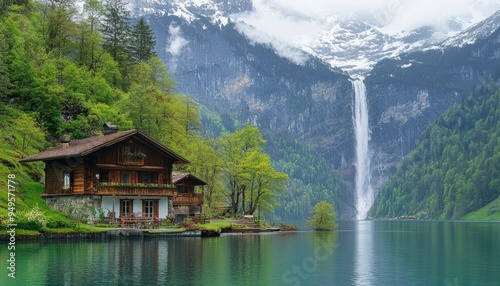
179,176
83,147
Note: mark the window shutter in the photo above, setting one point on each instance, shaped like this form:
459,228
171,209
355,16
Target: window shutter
156,207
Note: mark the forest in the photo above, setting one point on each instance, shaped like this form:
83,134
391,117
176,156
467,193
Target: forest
455,168
68,70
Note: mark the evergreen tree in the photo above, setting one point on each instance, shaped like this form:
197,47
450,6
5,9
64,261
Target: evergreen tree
143,41
452,170
115,31
59,29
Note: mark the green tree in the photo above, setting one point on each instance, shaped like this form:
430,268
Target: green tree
147,105
59,29
29,132
250,181
23,46
448,173
143,41
115,31
264,183
207,164
89,51
323,217
5,84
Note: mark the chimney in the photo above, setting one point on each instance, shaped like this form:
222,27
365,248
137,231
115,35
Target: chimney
65,139
109,128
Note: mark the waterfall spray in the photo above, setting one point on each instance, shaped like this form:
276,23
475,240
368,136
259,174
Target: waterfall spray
364,191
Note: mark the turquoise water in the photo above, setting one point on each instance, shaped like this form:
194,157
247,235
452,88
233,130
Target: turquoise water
358,253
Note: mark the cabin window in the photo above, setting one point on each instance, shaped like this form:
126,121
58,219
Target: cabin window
125,177
148,208
133,155
104,176
184,190
66,180
148,177
126,207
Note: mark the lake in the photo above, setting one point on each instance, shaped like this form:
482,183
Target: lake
357,253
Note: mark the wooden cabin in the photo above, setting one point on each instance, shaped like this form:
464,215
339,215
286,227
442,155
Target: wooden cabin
187,202
123,173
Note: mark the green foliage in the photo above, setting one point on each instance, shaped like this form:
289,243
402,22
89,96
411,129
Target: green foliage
455,167
251,182
214,228
33,219
143,41
115,29
288,227
323,217
206,163
82,210
61,75
311,179
489,212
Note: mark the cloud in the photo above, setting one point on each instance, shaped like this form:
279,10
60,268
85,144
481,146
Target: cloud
438,14
282,48
175,45
280,28
176,41
296,22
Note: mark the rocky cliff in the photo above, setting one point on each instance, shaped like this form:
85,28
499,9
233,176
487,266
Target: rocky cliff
249,82
407,93
311,102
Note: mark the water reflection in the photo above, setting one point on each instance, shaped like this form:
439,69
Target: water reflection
358,253
364,254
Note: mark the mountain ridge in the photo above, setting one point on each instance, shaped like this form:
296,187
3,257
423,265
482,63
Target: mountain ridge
312,102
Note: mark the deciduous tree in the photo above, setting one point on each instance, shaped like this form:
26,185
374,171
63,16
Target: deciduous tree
323,217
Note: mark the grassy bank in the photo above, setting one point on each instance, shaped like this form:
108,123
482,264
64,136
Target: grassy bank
489,212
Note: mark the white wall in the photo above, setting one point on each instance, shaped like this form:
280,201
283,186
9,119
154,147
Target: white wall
107,204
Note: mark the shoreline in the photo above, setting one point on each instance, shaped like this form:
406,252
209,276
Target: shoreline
109,234
127,233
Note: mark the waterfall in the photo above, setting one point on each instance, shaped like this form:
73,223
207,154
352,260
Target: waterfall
364,191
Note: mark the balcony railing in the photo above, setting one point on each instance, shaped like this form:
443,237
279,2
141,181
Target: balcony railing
188,199
137,190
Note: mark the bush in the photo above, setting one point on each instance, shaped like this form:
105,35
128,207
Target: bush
323,217
288,227
33,219
59,222
188,224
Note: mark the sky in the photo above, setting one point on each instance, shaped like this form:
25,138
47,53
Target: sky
295,22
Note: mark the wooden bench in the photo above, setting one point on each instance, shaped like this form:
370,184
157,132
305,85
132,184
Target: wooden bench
138,222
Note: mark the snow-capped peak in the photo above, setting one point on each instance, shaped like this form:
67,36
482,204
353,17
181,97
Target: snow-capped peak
218,11
474,33
350,43
356,46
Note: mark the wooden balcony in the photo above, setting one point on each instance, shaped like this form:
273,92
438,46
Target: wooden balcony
166,191
188,199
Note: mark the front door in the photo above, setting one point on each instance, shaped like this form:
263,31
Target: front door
150,208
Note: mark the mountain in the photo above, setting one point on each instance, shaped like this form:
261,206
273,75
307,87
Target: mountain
356,45
305,107
474,33
455,167
353,44
236,79
409,92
